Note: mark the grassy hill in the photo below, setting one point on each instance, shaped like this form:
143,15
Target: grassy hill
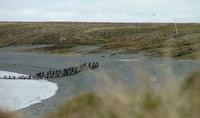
154,39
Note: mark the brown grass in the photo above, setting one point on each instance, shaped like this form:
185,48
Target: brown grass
131,38
172,100
5,114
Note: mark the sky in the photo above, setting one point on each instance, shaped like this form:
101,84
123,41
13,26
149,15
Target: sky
101,10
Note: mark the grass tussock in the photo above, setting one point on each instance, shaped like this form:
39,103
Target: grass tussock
4,114
171,100
192,89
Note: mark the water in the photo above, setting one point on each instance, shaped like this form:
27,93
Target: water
18,94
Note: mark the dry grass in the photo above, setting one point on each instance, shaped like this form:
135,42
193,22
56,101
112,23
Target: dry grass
5,114
170,100
132,38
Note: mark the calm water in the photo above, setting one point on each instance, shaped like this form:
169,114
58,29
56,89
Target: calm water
18,94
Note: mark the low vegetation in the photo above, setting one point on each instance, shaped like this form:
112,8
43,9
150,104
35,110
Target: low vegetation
172,100
4,114
153,39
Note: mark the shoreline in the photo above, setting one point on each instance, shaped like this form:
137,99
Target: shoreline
68,87
20,94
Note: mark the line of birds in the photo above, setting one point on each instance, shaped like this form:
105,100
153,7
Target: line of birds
51,74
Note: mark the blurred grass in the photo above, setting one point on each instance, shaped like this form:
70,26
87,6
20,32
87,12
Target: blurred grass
4,114
181,100
172,99
169,101
153,39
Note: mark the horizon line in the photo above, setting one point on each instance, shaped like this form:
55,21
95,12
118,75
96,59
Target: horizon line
109,22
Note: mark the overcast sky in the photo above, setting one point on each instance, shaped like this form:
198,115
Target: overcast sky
100,10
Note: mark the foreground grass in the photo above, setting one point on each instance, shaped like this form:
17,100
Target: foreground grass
154,39
169,101
4,114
